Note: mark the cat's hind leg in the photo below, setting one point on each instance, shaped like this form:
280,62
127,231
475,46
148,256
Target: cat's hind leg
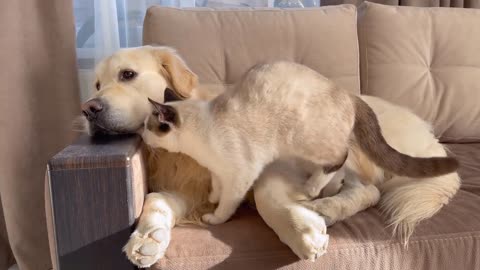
318,181
321,176
214,196
352,198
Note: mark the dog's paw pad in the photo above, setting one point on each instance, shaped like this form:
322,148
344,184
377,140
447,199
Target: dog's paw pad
146,261
161,235
314,245
311,241
149,249
144,250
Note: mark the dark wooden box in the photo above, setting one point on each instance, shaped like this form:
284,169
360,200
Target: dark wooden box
94,193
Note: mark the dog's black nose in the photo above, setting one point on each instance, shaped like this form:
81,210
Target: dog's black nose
91,108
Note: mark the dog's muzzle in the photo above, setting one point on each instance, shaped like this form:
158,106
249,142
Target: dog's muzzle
92,109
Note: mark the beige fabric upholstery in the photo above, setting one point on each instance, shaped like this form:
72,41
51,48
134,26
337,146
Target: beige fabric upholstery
427,59
220,45
416,3
449,240
38,99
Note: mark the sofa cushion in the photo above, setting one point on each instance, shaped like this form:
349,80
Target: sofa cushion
469,157
220,45
449,240
427,59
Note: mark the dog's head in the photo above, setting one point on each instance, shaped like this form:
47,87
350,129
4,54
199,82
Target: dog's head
125,81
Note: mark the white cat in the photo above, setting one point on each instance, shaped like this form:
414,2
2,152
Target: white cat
278,110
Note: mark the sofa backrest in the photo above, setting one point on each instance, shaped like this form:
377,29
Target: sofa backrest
427,59
220,45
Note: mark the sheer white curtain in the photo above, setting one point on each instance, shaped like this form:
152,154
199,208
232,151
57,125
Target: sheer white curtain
104,26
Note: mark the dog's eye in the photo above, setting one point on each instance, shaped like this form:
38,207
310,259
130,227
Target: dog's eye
97,85
127,75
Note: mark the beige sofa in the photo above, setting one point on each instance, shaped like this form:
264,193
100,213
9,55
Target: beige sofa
425,59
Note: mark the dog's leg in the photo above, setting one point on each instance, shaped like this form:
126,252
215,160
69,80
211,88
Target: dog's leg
151,237
276,194
352,198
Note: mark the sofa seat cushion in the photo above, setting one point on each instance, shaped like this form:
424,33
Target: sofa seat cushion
449,240
469,157
220,45
427,59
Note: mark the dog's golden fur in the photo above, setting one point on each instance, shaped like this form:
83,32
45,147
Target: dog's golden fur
184,176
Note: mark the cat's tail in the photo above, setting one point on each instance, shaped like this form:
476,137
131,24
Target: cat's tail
370,139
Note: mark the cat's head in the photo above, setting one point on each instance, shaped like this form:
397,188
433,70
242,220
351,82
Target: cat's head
168,124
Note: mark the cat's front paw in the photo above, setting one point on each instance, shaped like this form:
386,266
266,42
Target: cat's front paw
145,249
214,196
213,219
312,188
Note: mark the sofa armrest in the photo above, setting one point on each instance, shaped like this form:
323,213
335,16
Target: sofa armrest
94,194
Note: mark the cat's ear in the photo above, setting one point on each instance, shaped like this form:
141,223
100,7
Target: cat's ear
169,95
165,113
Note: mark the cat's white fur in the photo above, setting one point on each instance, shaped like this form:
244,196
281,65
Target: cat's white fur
240,132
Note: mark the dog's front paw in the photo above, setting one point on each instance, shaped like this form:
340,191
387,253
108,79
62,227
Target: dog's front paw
144,250
312,241
213,219
313,245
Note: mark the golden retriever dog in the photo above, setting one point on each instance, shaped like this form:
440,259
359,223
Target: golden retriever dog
179,187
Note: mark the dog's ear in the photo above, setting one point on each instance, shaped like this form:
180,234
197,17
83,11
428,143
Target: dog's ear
165,113
181,78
